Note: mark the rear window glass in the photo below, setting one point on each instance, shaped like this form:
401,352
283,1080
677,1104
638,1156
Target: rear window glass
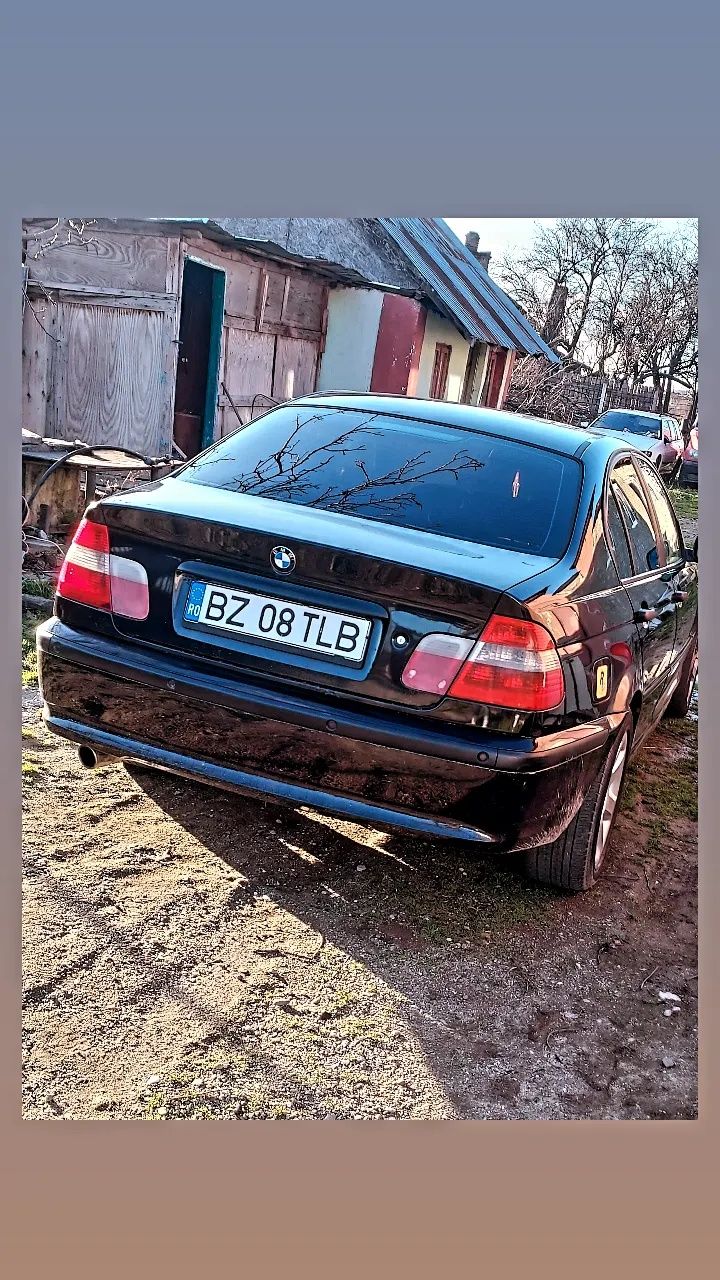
417,475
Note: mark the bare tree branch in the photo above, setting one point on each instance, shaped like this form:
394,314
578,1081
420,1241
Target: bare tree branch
615,299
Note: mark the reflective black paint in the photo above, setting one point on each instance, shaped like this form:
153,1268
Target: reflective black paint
265,713
512,793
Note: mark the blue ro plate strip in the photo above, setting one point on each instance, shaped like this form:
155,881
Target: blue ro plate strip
193,604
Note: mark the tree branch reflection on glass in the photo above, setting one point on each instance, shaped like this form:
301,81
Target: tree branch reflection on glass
450,478
340,473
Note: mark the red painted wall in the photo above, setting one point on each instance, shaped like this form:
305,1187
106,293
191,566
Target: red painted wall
399,342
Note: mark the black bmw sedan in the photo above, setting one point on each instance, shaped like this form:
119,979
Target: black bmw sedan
410,613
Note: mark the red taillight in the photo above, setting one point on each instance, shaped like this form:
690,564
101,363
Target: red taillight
514,664
85,574
91,575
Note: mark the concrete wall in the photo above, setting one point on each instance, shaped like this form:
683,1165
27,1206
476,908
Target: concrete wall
352,328
439,330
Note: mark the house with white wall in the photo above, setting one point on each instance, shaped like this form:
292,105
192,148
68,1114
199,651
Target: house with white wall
421,317
162,335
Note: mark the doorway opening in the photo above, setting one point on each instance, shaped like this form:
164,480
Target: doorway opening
441,369
494,379
201,316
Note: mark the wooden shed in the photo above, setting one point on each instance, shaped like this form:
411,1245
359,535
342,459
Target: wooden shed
141,333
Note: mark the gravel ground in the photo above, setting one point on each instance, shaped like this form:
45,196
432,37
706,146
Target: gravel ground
190,954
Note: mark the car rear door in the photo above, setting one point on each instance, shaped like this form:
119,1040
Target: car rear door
674,446
679,576
647,586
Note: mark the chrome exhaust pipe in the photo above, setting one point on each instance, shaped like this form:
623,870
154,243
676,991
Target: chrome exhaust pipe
89,758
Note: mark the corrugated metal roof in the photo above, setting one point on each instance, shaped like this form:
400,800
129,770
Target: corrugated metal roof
225,231
445,269
462,288
356,244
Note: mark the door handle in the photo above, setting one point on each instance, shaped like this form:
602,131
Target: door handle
666,604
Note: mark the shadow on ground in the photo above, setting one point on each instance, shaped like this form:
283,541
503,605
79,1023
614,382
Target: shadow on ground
196,954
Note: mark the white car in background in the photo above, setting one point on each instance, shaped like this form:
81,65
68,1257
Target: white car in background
656,435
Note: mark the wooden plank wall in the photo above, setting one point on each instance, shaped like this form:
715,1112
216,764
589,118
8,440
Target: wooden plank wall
107,371
39,335
109,260
111,383
106,374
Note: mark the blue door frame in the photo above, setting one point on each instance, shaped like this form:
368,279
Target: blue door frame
216,325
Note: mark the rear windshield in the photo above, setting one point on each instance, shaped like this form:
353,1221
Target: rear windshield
636,424
416,475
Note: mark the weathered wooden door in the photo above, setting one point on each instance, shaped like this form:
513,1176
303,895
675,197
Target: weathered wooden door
112,376
199,342
496,371
441,369
273,334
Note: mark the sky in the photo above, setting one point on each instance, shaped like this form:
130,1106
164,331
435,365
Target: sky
512,235
499,235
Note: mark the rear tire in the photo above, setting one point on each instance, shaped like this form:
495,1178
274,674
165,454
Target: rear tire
575,861
679,705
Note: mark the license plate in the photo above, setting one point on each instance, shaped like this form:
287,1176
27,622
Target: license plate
245,614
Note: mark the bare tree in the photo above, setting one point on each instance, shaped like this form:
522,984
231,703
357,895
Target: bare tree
562,394
660,336
614,298
572,281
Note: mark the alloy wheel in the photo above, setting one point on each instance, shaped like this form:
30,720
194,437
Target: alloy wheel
612,792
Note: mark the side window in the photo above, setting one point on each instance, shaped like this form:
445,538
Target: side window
636,517
669,530
618,537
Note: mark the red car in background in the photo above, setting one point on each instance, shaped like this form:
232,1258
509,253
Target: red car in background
689,468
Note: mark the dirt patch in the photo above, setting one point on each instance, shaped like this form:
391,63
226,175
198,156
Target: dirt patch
192,954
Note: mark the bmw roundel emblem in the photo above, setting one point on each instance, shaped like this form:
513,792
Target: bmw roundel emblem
282,559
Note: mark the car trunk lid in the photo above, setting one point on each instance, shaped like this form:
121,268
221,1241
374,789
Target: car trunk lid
402,582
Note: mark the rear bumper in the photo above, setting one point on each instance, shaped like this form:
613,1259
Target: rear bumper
140,705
